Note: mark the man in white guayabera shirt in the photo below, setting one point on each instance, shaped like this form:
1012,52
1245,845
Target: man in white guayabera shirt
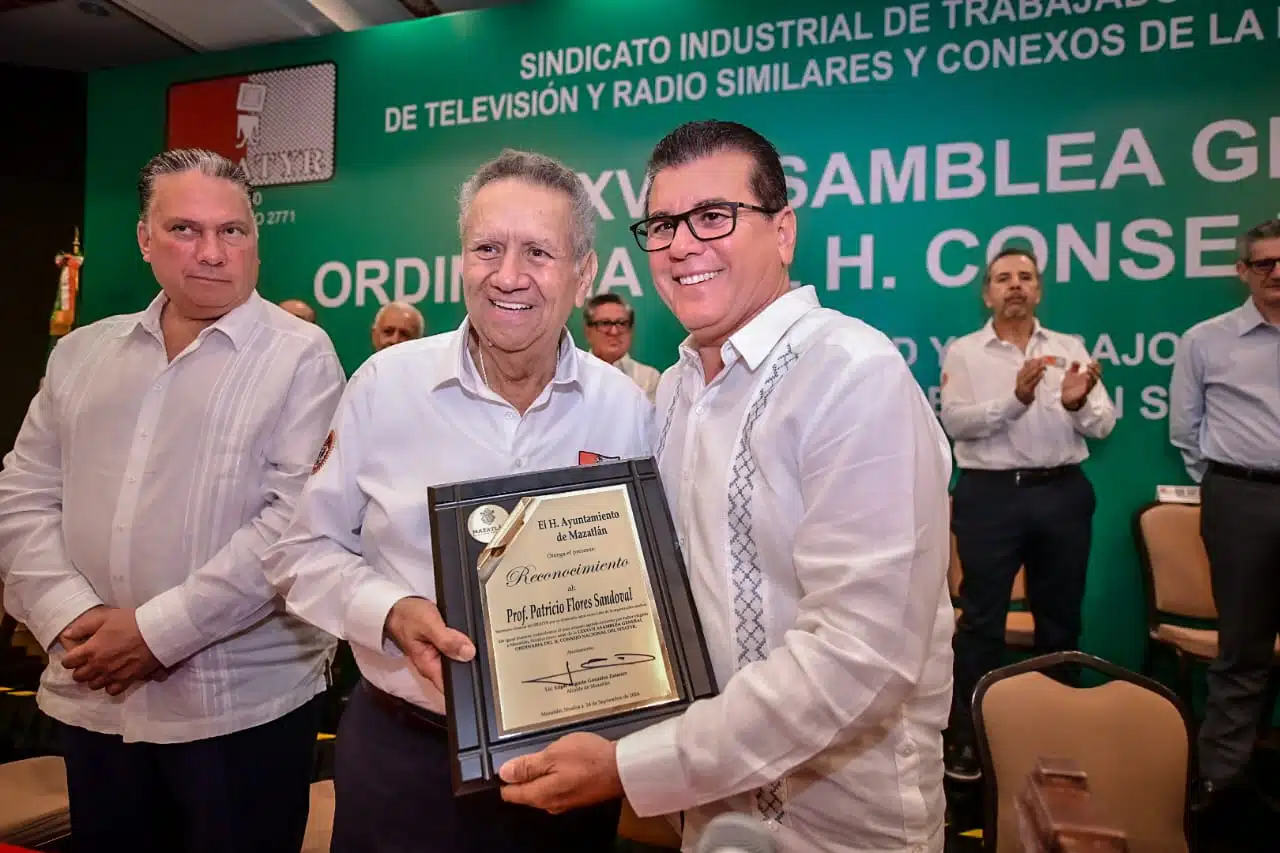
807,475
505,393
161,457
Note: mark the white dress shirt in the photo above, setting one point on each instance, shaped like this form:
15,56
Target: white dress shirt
808,481
415,415
642,374
992,429
157,485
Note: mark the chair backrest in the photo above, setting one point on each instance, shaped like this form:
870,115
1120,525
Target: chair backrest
1130,735
1174,561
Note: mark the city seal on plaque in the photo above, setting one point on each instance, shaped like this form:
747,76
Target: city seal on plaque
485,522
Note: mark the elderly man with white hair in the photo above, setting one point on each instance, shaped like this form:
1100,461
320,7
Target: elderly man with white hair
395,323
507,392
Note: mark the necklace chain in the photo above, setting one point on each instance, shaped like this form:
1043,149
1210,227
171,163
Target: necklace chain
484,374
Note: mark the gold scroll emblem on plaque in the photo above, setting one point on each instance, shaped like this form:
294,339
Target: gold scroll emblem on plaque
572,625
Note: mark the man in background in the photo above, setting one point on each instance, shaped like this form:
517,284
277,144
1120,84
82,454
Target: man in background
299,309
1224,416
161,457
395,323
807,478
1019,401
610,324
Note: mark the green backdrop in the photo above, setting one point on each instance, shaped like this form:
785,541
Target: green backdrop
1129,140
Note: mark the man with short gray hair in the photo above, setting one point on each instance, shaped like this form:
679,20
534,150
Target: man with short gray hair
1224,416
160,458
507,392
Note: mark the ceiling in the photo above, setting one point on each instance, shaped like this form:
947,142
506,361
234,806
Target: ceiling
86,35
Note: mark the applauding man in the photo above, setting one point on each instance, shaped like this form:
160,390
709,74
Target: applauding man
1018,400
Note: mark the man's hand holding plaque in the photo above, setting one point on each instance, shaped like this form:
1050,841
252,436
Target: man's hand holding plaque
580,769
417,628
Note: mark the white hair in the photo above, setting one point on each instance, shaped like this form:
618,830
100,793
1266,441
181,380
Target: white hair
408,308
541,171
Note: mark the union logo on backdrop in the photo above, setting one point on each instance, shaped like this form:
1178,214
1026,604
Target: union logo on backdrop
280,124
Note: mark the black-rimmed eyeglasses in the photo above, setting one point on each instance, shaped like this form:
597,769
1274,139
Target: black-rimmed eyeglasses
1262,266
614,325
706,222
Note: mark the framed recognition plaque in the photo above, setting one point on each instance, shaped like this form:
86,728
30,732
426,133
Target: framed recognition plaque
572,587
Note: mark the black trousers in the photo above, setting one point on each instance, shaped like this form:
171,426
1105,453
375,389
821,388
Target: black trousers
1240,525
246,792
394,795
1001,526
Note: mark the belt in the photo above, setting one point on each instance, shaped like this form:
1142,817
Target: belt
1238,473
1023,477
408,713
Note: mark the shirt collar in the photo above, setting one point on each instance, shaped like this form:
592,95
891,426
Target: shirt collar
1248,318
460,367
754,341
237,324
989,331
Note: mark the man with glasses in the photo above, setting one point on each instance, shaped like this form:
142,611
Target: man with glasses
817,544
610,323
1224,416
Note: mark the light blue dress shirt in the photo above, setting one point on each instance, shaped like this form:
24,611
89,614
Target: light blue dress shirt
1224,396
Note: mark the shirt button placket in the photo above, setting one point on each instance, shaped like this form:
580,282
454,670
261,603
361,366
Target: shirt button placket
135,465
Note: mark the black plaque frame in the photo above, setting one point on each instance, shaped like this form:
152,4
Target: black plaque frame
474,743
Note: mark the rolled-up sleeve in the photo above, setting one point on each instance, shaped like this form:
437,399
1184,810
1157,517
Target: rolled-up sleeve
870,554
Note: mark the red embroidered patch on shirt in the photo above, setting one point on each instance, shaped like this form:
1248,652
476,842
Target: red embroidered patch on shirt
325,450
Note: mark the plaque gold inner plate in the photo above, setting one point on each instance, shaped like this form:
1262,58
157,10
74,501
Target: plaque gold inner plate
573,628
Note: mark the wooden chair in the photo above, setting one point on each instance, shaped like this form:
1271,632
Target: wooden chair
1131,735
34,807
1057,813
320,818
1178,588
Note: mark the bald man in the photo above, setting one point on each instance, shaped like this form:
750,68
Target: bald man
299,309
395,323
